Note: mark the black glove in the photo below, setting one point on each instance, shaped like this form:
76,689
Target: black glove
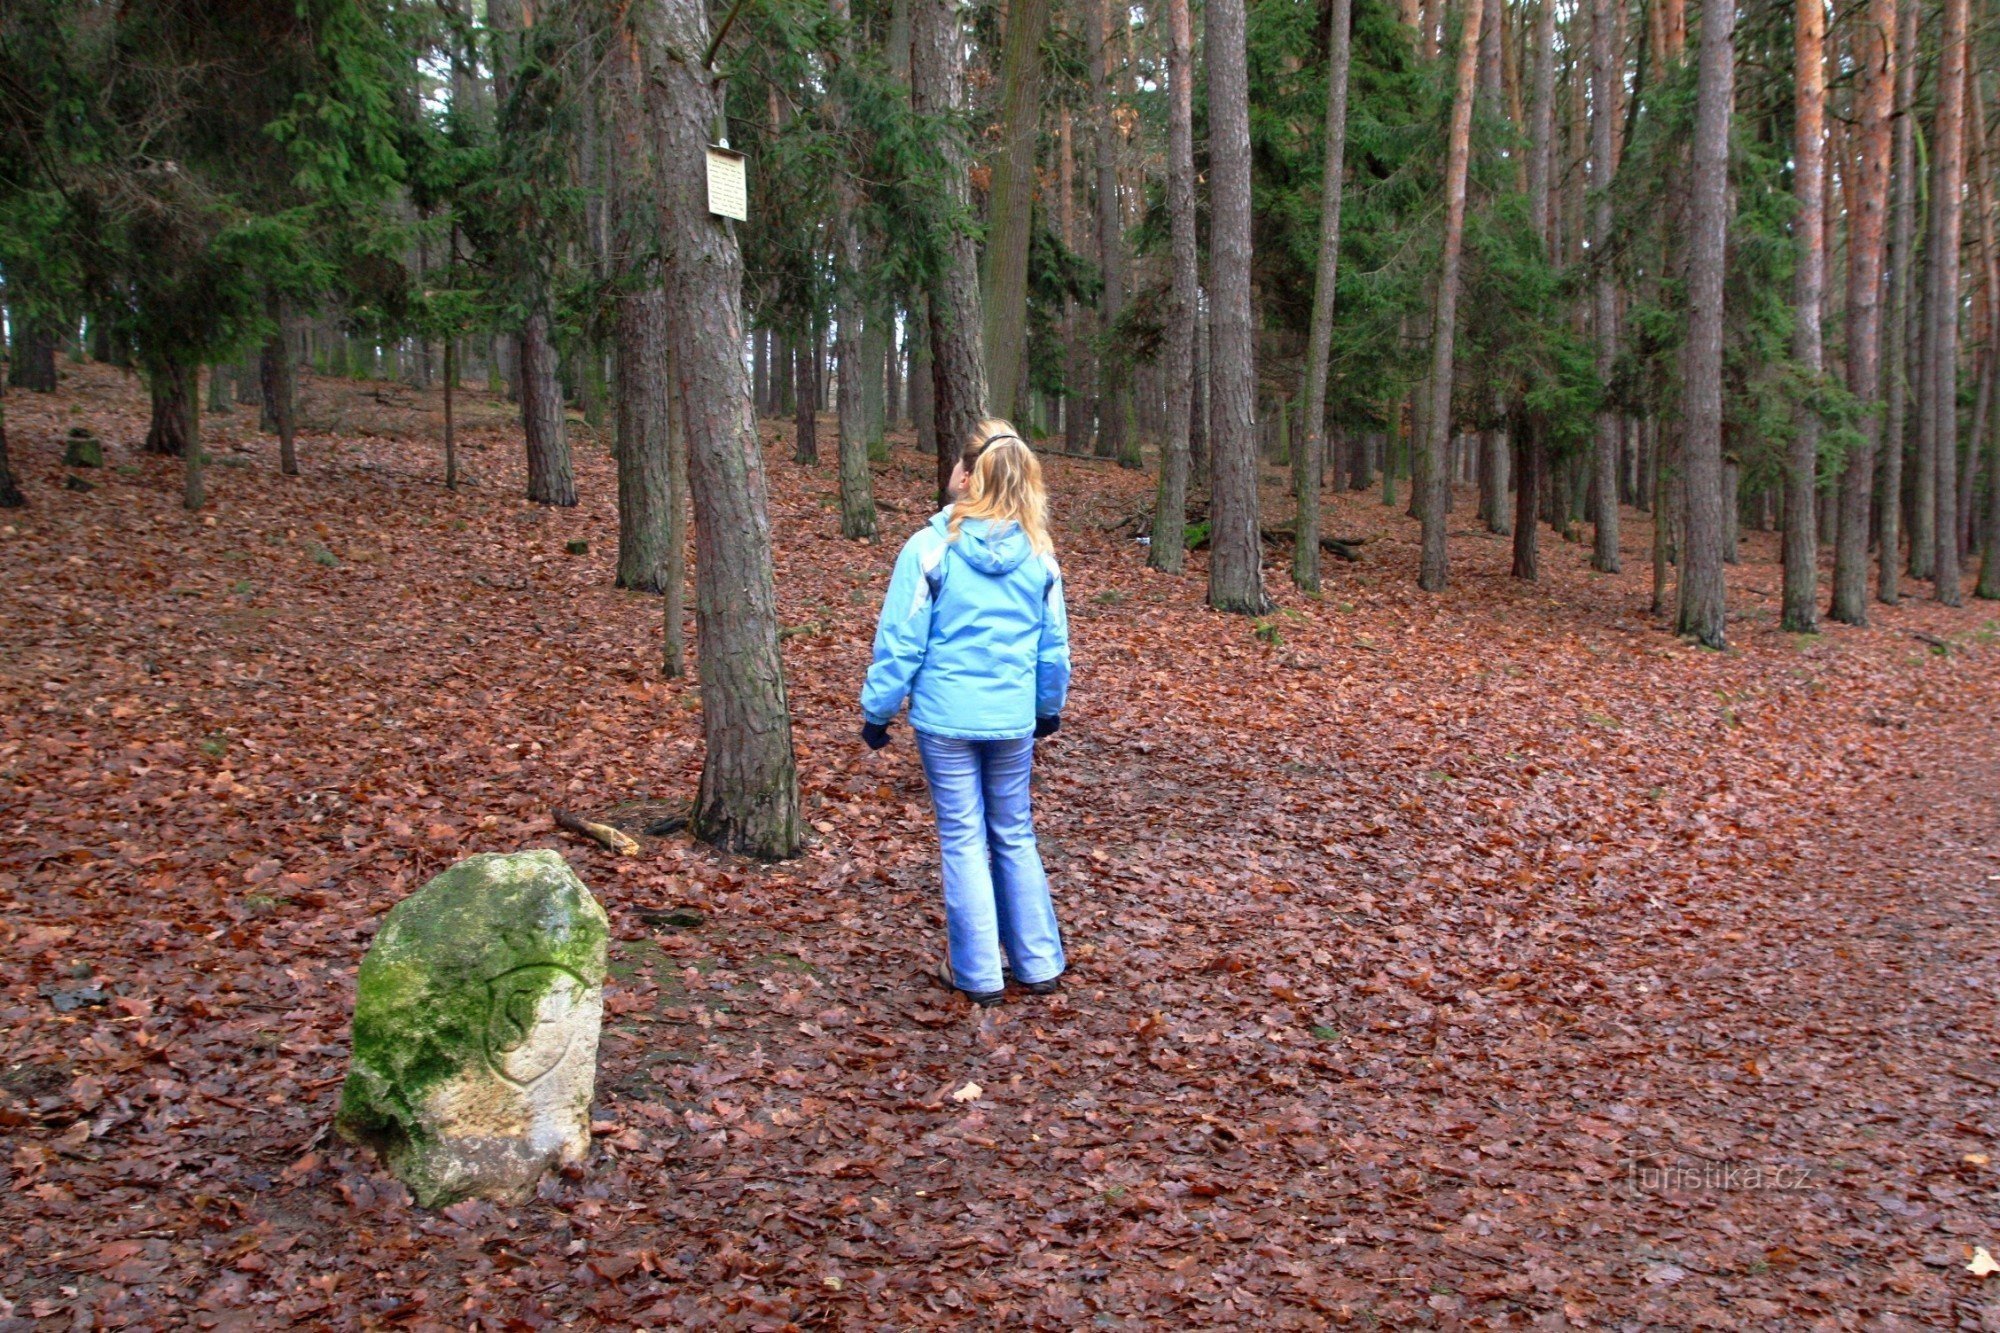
875,733
1046,726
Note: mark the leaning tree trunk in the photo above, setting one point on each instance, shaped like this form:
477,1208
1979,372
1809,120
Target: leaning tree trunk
1168,551
1947,190
958,360
1319,341
1702,609
1800,603
1604,475
550,481
1236,552
1005,293
1864,309
1896,333
1437,425
1113,389
748,800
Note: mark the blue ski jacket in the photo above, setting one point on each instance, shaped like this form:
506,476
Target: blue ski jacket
973,632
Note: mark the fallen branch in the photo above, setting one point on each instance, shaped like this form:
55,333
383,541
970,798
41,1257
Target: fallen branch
603,834
1346,548
1933,640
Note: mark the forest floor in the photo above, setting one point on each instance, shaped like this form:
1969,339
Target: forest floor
1490,957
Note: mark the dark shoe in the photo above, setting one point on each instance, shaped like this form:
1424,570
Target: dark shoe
1049,987
984,1000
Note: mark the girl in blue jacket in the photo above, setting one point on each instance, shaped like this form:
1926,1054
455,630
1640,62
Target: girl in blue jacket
974,634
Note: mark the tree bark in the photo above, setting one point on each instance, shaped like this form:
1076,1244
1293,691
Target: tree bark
1799,611
1604,476
1168,551
33,365
10,490
550,480
1530,463
174,423
1947,189
1437,425
1113,390
748,800
639,350
857,497
958,361
1319,340
1702,609
1897,318
805,401
1005,291
1236,549
1865,242
280,386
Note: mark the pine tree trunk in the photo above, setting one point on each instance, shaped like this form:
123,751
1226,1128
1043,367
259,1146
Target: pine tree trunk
639,347
33,365
1236,552
1865,238
857,496
673,661
1168,551
1947,188
805,401
1112,367
958,361
1604,475
1319,342
1530,463
748,800
1899,315
1702,601
549,478
1005,290
173,423
10,490
1799,611
923,385
1436,467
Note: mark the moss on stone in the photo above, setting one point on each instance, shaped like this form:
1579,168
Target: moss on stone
425,999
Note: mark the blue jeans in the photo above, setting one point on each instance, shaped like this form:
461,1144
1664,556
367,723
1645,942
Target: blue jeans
996,897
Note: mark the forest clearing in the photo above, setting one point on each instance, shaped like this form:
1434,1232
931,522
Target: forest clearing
1435,960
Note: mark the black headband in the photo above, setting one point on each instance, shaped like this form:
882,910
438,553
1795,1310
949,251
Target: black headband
991,440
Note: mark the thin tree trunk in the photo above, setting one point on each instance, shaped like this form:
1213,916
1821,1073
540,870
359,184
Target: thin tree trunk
1530,463
1005,291
450,415
673,657
1112,388
1604,552
923,387
805,401
857,495
279,375
1437,426
1800,603
1236,552
645,490
1865,238
748,799
958,361
1319,344
1947,189
1168,551
1702,600
1896,332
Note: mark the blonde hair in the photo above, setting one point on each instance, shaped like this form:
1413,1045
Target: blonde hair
1006,484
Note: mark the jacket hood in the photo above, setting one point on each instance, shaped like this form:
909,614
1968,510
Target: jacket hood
990,548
